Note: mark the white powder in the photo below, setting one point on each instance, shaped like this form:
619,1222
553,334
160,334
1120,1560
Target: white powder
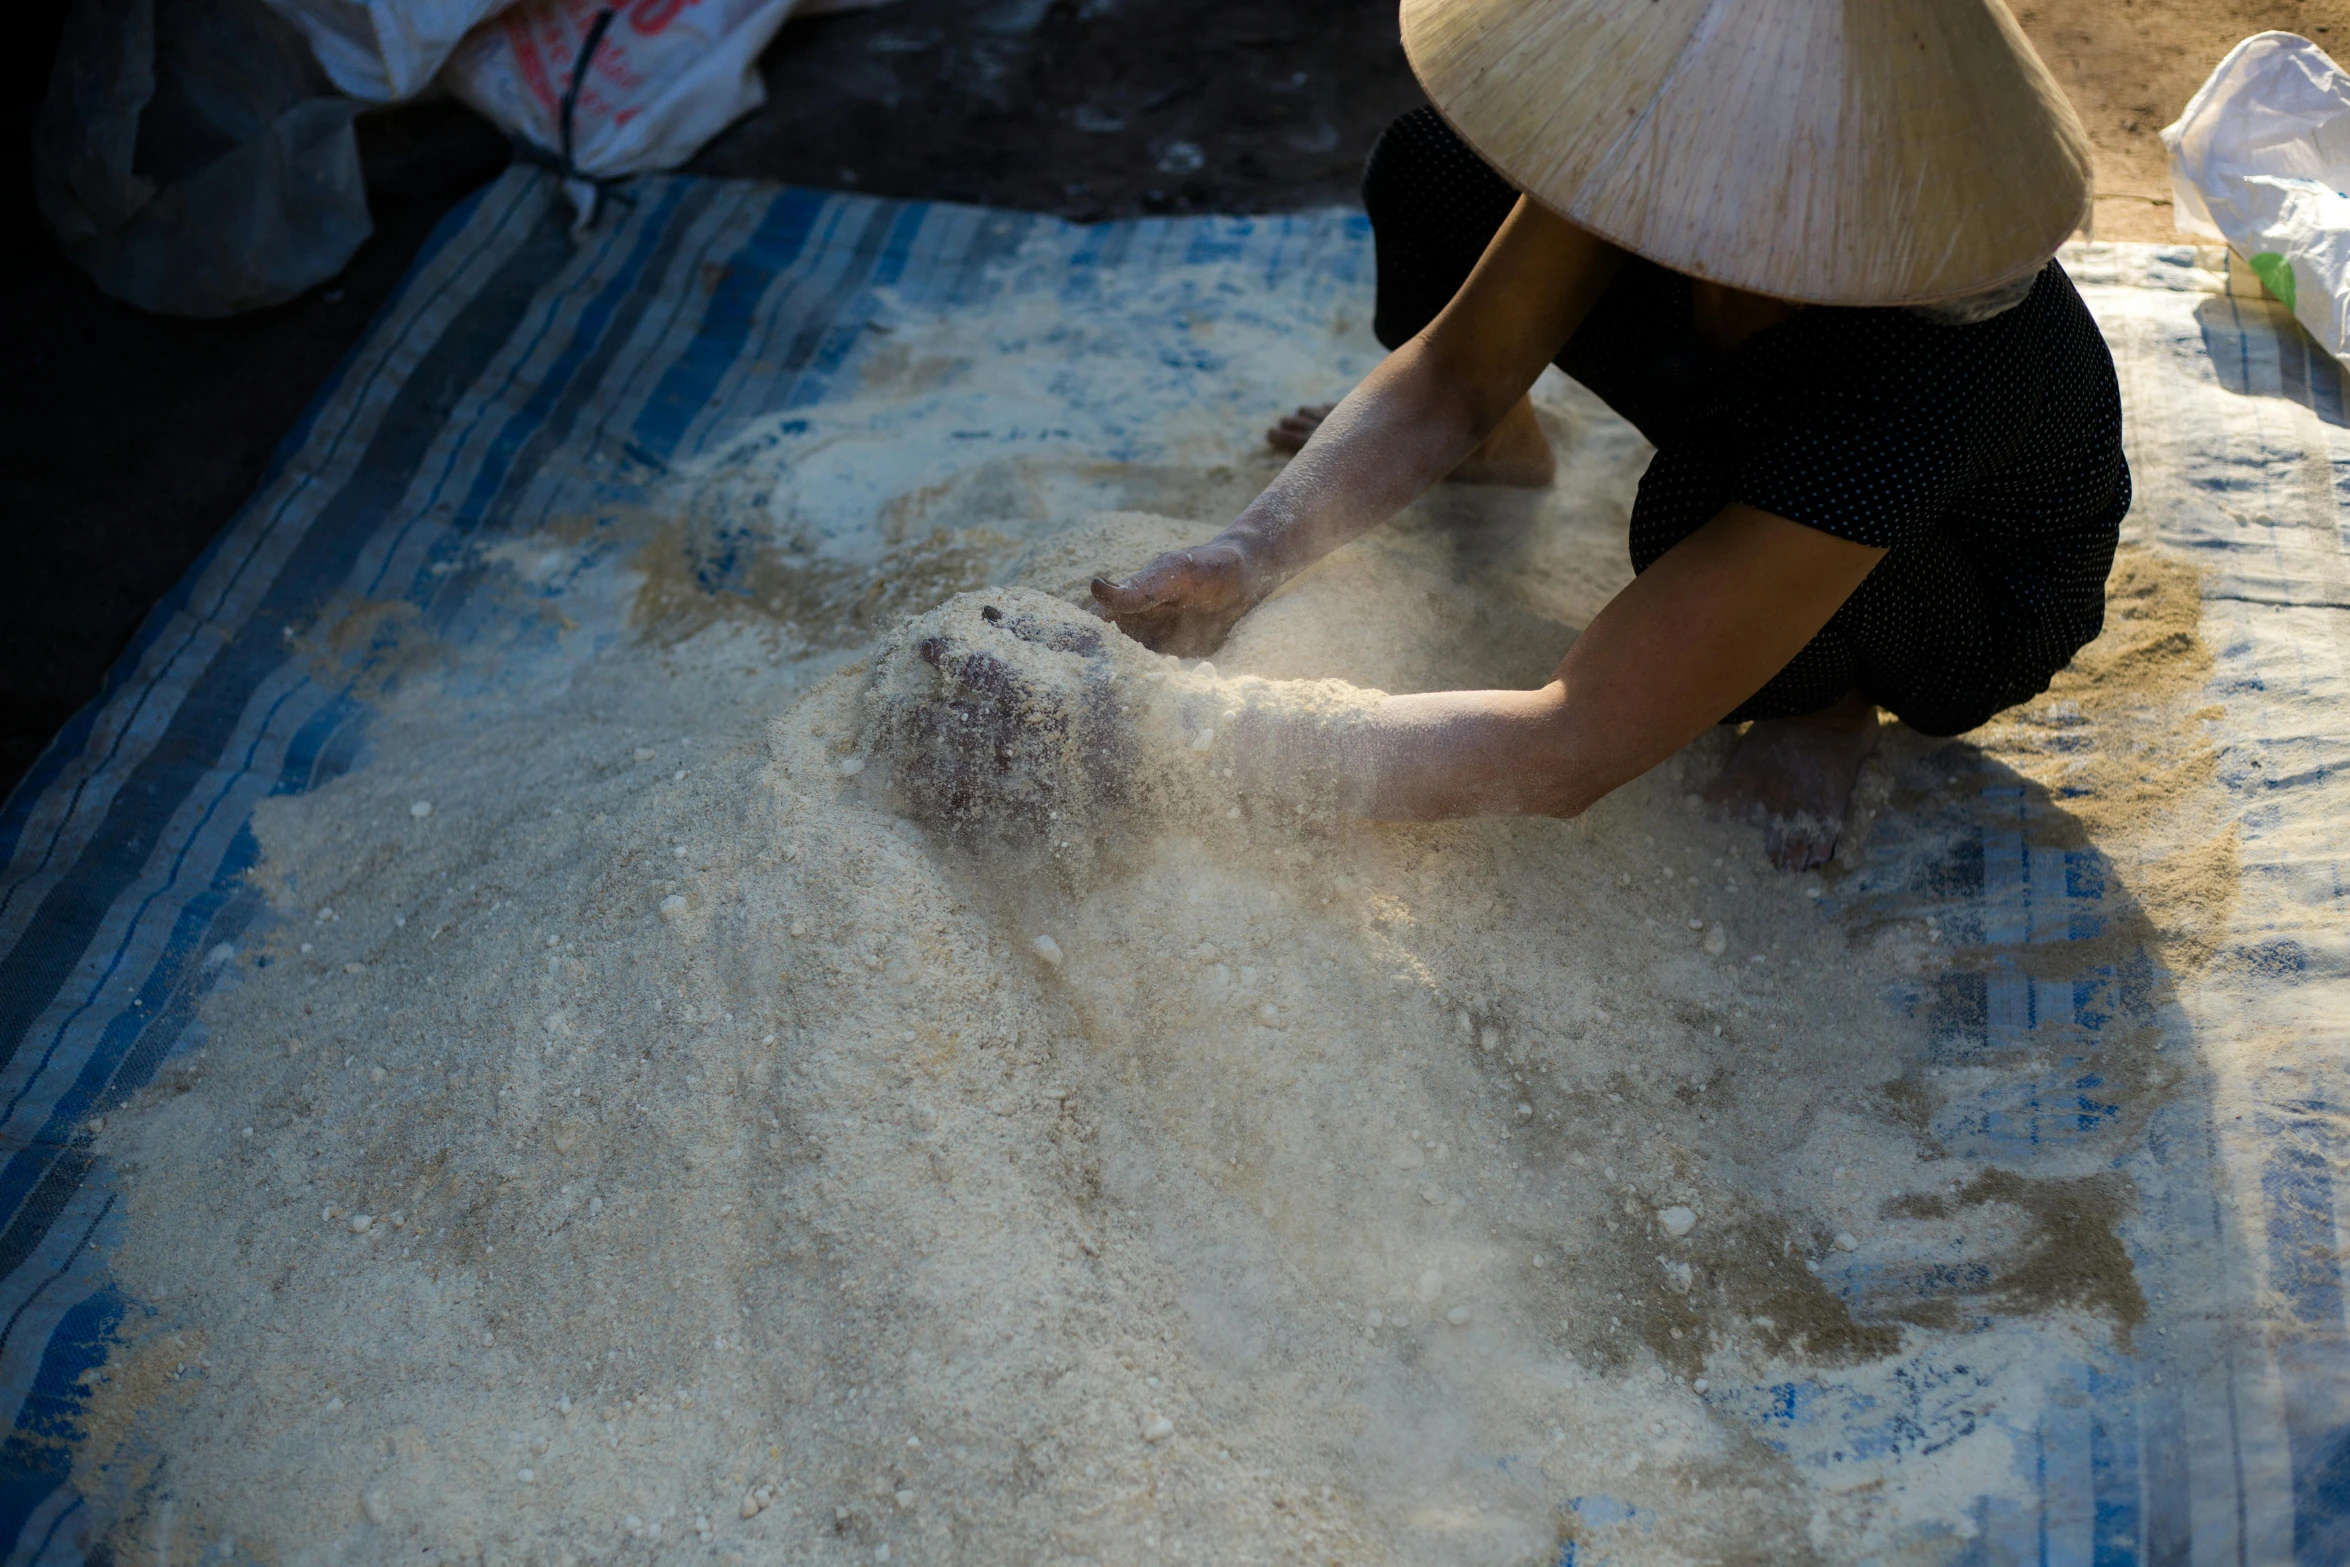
752,1175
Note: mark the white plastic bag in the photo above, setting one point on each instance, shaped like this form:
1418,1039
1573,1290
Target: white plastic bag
2261,159
385,50
665,77
193,160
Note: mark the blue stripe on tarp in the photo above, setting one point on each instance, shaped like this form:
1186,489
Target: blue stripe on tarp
134,1042
17,808
311,757
545,417
1220,239
684,390
2115,1483
996,237
578,373
33,970
820,347
37,1456
822,330
43,1175
2166,1531
2300,1197
54,1523
2308,374
2007,900
28,1172
2305,1274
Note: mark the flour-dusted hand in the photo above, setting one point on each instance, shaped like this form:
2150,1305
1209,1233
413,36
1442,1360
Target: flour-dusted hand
997,715
1185,602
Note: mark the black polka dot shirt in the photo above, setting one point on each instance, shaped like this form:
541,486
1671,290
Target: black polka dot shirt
1986,458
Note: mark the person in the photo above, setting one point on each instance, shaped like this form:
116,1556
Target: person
1807,249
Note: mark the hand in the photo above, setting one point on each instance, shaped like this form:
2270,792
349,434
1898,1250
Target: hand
1184,602
987,739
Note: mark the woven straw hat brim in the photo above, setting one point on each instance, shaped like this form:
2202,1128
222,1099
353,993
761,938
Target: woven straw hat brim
1841,152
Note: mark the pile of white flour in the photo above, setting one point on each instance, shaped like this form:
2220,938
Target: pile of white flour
637,1142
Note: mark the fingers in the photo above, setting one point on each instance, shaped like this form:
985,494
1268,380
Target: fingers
1156,626
1178,603
1142,615
1138,611
1172,576
1153,605
1116,599
1164,583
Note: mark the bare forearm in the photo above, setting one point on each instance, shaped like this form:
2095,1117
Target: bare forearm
1396,434
1434,756
1409,424
1431,401
1681,646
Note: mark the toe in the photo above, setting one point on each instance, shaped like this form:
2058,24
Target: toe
1798,845
1293,430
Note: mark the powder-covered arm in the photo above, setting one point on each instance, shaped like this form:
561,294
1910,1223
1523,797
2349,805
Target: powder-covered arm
1408,424
1683,644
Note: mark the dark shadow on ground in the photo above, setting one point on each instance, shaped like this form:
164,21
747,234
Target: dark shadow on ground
131,438
2252,341
1083,108
2055,1059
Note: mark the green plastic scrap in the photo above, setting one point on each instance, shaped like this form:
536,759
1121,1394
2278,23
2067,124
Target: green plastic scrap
2276,275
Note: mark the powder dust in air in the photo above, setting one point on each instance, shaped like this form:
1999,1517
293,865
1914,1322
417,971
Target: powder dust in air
660,1119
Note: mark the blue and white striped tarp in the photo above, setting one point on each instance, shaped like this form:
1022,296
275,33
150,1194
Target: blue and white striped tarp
519,376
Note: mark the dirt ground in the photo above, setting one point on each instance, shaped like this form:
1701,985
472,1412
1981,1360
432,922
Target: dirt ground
131,439
2131,65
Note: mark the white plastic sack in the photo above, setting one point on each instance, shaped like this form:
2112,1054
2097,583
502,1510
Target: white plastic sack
385,50
2261,159
192,159
667,75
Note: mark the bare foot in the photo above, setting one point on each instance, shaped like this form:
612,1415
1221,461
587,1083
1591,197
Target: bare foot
1516,453
1794,777
1294,430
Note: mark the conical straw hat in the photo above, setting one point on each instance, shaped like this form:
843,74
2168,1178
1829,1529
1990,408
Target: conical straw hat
1849,152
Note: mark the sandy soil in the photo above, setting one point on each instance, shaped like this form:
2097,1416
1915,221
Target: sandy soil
2131,65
